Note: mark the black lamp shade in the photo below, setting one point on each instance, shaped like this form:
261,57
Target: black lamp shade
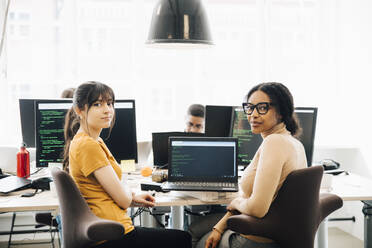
179,21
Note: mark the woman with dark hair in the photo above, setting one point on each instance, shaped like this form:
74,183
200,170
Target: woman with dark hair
97,174
270,111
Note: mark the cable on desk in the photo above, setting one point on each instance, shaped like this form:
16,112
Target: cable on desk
139,211
37,191
39,169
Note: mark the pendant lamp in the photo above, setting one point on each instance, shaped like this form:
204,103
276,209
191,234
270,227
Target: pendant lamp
179,23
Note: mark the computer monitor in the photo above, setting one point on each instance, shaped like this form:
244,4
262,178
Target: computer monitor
50,116
122,141
49,125
248,142
160,145
307,118
27,114
217,121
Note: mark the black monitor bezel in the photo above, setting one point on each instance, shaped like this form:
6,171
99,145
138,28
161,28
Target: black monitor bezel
209,123
27,126
135,125
315,115
175,179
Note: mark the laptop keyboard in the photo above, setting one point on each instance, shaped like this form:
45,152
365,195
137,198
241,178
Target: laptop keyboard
202,186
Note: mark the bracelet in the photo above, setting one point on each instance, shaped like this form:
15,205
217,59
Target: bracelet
214,228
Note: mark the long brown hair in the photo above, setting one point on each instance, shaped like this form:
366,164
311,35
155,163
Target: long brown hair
84,96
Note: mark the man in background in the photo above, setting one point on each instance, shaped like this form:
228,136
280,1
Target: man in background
195,119
68,93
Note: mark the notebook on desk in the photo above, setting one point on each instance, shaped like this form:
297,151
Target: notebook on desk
202,164
13,183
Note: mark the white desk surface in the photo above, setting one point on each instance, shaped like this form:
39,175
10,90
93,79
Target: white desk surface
351,187
13,202
48,200
348,187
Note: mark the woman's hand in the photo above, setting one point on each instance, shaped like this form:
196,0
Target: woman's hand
233,204
213,239
143,200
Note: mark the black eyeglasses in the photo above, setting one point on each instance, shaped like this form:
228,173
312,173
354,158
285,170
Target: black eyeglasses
262,107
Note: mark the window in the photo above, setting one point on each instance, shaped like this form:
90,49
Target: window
52,45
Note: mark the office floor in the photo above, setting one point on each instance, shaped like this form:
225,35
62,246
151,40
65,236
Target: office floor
337,239
341,239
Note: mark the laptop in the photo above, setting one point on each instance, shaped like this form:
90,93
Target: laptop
13,183
202,164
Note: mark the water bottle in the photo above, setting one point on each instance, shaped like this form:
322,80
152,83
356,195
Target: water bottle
23,162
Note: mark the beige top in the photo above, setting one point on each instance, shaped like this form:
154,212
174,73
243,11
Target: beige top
279,154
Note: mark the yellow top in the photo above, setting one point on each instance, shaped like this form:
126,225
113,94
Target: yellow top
279,154
85,156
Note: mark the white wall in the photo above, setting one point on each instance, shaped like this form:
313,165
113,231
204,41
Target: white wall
319,48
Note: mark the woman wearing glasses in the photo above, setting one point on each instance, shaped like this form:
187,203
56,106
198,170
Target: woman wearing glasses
270,111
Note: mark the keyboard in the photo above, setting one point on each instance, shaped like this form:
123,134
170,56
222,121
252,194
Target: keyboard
201,186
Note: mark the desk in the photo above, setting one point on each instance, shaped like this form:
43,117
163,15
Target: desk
13,202
350,188
48,201
174,199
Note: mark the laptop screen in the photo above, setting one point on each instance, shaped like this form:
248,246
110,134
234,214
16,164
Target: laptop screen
202,159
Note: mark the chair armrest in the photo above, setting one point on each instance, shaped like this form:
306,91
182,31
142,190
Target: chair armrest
97,229
328,204
250,225
105,230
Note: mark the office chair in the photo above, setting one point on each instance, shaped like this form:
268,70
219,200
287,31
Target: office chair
294,216
80,227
